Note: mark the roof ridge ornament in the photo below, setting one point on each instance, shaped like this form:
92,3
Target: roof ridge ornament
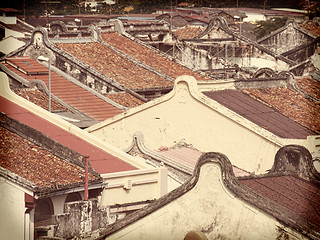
296,160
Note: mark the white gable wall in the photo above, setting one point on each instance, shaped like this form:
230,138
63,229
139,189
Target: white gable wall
12,208
186,114
228,217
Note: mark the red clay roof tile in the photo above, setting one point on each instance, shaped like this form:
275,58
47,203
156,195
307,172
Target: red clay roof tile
35,163
125,99
114,66
40,99
101,161
291,104
149,57
68,92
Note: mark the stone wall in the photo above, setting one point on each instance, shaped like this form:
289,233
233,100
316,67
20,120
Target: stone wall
81,220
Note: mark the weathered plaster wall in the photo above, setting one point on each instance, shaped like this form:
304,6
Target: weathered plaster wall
186,114
287,39
12,208
226,54
82,219
209,207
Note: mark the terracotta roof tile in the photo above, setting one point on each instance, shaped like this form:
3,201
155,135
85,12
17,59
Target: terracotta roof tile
260,113
115,66
101,161
312,28
309,86
295,194
125,99
291,104
188,32
35,163
70,93
41,99
149,57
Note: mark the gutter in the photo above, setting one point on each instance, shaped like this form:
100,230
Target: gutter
70,190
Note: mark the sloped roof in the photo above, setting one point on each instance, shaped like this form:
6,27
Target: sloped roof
294,25
114,66
70,93
37,164
188,32
41,99
291,200
125,99
101,161
293,193
149,57
292,104
259,113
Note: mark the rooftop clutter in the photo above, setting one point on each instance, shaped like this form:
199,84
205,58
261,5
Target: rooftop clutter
213,89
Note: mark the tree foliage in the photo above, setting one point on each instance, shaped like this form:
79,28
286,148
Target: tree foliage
268,26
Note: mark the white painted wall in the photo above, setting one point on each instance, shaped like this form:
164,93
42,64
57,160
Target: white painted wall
209,207
58,204
12,208
134,186
186,114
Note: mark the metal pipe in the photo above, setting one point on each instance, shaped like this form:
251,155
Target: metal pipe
86,180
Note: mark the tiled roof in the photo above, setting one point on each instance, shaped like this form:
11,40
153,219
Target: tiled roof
149,57
188,32
125,99
312,28
260,114
115,66
35,163
309,86
101,161
39,98
295,194
70,93
291,104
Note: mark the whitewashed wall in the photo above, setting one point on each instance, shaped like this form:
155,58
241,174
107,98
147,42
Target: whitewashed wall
186,114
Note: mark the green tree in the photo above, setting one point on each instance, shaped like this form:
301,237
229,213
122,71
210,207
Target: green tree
266,27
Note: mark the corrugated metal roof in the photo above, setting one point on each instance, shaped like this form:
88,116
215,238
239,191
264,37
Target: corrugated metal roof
189,157
260,114
295,105
295,194
101,161
70,93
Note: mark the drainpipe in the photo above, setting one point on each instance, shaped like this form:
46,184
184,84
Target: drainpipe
86,180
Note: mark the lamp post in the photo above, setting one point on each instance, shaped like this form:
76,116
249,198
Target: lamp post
45,59
238,17
78,20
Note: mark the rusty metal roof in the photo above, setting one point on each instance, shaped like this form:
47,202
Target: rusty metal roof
101,161
303,108
295,194
260,114
70,93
